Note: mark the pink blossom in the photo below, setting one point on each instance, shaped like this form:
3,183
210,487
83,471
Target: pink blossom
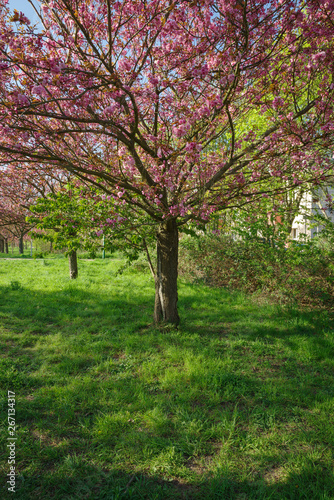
39,90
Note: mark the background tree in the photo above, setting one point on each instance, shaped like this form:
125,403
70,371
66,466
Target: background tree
4,237
14,203
268,219
131,96
19,188
58,218
76,217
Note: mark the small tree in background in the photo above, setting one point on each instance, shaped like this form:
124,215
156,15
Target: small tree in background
58,218
76,216
268,219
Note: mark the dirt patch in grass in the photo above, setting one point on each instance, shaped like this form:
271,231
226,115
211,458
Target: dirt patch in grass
277,474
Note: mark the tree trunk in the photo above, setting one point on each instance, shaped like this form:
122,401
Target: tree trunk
165,307
2,245
6,246
73,262
21,249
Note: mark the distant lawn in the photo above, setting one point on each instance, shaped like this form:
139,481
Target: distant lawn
235,404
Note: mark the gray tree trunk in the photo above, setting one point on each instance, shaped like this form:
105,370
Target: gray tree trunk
2,245
21,248
73,263
165,307
6,245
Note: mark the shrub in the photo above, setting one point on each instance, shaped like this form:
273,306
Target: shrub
302,273
39,255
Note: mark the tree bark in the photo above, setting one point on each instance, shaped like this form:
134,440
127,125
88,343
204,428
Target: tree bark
165,307
21,249
73,263
2,245
6,246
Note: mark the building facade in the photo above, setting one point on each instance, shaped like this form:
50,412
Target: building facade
305,224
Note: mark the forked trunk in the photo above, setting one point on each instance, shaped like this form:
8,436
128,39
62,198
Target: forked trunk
21,249
73,262
165,307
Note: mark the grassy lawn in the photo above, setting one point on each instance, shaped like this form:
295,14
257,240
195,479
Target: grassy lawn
238,403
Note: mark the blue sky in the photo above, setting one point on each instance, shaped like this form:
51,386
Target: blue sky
25,7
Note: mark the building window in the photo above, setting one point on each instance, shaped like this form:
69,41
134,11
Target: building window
294,233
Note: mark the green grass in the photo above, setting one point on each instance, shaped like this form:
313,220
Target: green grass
235,404
42,250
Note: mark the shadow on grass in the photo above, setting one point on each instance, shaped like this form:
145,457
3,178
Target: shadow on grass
43,309
87,482
76,359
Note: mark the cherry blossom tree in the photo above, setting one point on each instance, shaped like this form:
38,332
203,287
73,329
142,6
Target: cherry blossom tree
145,98
19,189
14,201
